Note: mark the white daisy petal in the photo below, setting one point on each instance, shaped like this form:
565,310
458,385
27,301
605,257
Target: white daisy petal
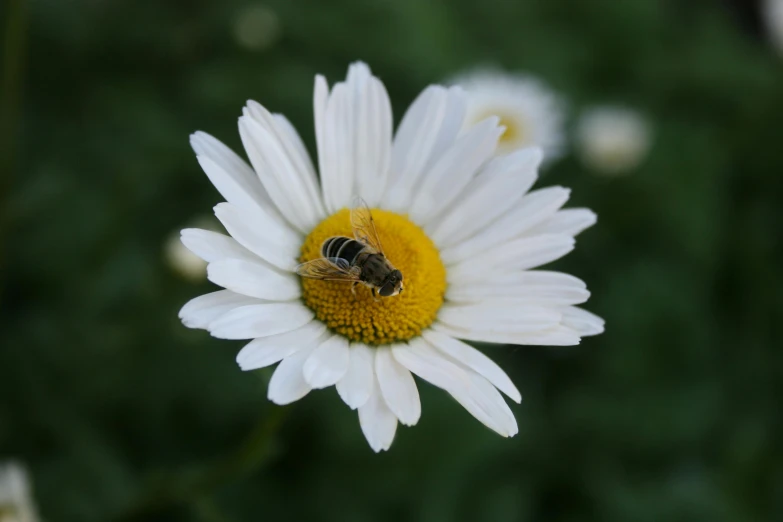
397,386
569,221
286,154
555,336
229,173
533,286
451,125
475,360
260,320
202,310
265,351
276,173
328,363
327,155
213,246
377,421
542,296
356,385
204,144
355,134
337,168
519,254
263,223
582,321
287,384
427,130
288,187
533,209
454,170
254,279
358,75
296,142
231,188
491,194
470,389
262,235
413,144
499,317
373,138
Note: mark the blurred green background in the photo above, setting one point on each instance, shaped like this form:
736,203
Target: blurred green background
673,414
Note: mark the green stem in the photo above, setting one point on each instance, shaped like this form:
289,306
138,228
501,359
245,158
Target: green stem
178,489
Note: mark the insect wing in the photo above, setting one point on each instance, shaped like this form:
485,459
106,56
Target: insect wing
363,225
329,270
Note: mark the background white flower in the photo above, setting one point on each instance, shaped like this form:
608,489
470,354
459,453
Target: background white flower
16,502
181,260
531,112
256,27
458,222
612,140
772,13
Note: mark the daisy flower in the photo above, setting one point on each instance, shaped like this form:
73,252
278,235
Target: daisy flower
16,503
531,113
458,223
612,140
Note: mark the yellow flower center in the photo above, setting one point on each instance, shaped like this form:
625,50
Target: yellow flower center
516,131
362,318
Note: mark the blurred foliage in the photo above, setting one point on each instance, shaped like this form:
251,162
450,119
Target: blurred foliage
673,414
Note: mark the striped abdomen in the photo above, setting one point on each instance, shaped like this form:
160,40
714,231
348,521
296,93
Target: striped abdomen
342,248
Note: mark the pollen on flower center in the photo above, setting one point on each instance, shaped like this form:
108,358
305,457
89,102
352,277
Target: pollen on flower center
391,319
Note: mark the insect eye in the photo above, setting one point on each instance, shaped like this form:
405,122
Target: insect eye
387,289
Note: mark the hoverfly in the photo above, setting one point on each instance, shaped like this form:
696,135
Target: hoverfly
357,260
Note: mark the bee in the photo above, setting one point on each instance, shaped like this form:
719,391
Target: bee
357,260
